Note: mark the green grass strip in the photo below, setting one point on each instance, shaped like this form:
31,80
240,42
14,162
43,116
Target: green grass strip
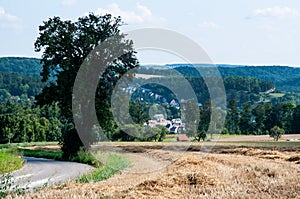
114,164
9,161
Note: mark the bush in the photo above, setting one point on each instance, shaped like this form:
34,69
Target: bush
86,157
200,135
276,133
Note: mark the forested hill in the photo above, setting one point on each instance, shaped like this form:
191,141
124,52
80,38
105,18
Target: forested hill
21,65
285,78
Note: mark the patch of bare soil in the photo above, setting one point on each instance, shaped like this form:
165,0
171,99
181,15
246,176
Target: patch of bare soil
156,173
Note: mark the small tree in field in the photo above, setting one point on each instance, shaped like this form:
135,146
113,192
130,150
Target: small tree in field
276,133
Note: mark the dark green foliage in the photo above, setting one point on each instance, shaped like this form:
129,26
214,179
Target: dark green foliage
21,65
245,123
65,45
86,157
242,89
261,118
295,124
200,135
232,120
267,73
139,112
276,132
25,123
55,155
12,84
71,142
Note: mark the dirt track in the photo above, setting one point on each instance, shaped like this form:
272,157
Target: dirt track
228,172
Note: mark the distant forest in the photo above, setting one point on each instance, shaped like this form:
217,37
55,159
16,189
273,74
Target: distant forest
21,65
285,78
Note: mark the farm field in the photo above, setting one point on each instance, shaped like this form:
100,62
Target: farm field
194,170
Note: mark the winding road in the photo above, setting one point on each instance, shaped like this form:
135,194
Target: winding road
39,172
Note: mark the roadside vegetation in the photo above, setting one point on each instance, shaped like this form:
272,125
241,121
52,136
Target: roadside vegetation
112,165
9,161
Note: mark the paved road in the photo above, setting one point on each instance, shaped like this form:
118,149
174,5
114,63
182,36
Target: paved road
39,172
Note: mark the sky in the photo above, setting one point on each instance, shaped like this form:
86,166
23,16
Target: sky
251,32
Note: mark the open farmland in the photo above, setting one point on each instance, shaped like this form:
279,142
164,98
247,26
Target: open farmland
210,170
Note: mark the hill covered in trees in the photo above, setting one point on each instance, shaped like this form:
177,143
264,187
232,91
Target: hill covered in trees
21,65
285,78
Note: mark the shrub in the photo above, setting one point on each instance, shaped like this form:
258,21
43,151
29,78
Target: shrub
276,133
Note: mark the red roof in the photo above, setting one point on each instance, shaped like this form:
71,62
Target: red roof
182,138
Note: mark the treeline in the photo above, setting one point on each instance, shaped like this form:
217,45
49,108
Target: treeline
261,118
26,123
12,84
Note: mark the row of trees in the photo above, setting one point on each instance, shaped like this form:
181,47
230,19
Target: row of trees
261,118
23,123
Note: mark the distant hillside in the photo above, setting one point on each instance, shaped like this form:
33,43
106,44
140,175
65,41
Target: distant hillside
285,78
21,65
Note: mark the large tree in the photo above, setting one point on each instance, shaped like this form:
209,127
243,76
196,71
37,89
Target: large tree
65,46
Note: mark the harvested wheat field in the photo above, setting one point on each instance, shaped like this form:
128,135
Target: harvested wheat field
225,172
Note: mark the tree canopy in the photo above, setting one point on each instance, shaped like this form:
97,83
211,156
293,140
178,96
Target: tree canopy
65,46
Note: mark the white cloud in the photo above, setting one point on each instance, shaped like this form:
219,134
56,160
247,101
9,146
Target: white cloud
9,21
6,16
209,25
277,11
68,2
142,14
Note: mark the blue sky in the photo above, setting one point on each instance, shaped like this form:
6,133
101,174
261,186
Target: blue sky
250,32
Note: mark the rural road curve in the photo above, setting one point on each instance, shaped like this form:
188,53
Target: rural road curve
37,172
